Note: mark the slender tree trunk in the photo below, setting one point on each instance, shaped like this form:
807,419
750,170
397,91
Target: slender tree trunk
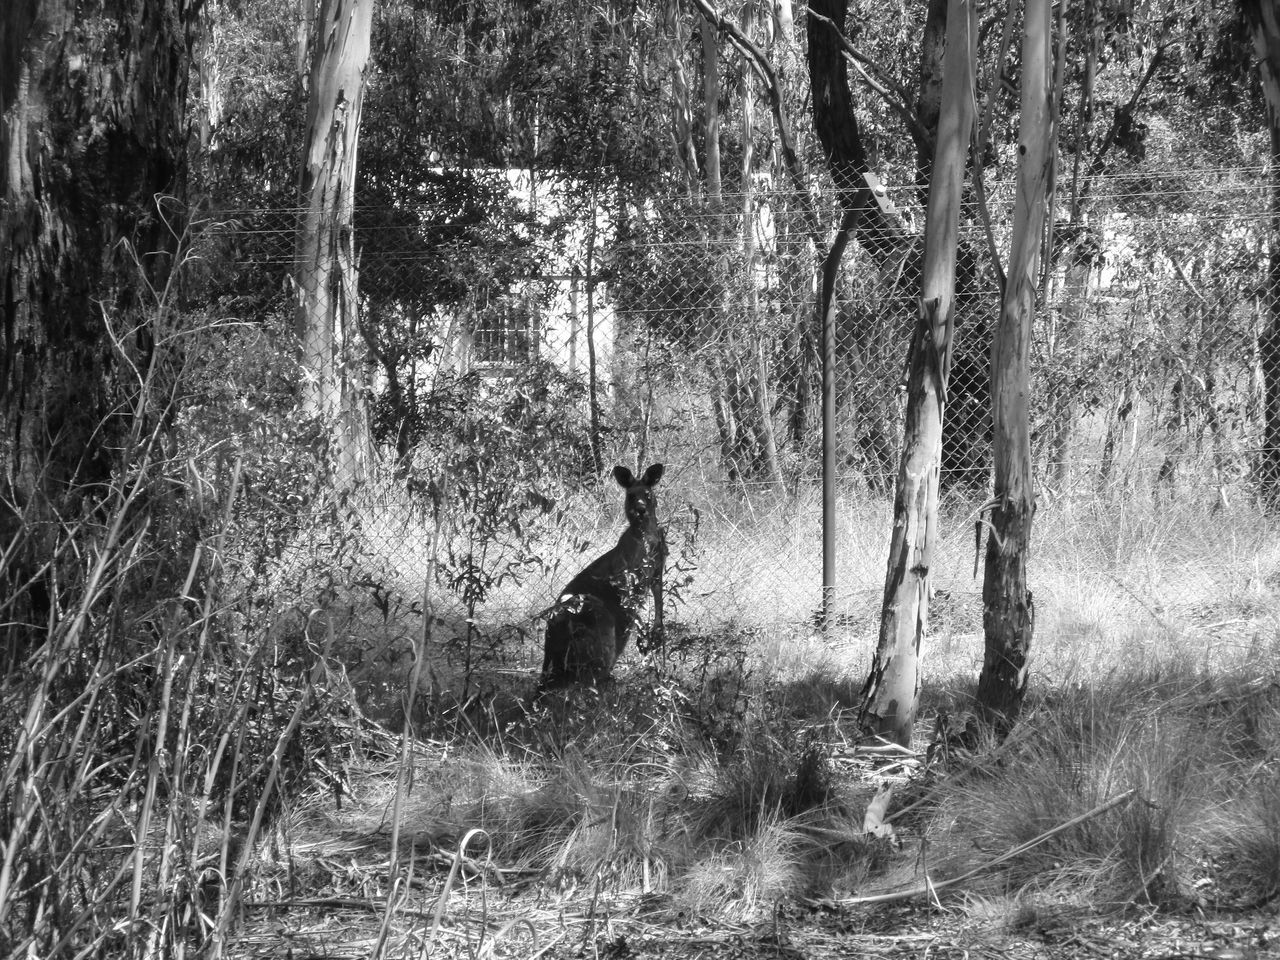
892,688
837,128
1263,18
722,393
1065,344
327,280
593,379
720,388
836,124
726,426
766,438
746,450
593,366
1008,614
727,392
711,111
682,108
1117,423
761,409
1062,402
574,322
209,111
929,91
783,21
862,218
965,453
795,255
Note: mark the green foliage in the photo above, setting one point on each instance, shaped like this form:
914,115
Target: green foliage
448,261
550,85
495,469
252,157
673,276
158,694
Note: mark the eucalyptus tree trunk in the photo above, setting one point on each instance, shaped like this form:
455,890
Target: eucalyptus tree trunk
735,399
892,688
836,124
965,458
682,124
596,439
1064,347
783,20
795,245
863,219
723,373
755,357
711,111
929,90
1008,615
1066,329
327,279
837,127
93,128
1263,18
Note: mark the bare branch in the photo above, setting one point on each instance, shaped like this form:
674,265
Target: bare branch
930,886
1098,163
760,63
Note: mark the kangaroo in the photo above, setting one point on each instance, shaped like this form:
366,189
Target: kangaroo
597,609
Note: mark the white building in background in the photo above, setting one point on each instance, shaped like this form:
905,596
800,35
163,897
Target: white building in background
554,317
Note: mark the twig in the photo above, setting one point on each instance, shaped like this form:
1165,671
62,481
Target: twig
438,914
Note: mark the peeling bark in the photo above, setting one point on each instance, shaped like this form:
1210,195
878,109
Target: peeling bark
682,109
890,694
1008,614
326,277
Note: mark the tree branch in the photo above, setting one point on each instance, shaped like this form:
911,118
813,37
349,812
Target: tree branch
760,63
982,135
898,102
1098,162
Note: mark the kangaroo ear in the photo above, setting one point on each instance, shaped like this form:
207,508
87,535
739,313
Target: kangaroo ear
653,475
623,476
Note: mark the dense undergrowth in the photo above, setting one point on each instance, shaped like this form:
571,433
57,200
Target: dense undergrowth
220,697
174,757
727,799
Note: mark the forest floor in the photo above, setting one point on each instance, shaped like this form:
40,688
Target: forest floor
727,814
943,932
442,910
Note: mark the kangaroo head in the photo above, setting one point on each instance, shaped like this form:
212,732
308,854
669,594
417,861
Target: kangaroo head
641,504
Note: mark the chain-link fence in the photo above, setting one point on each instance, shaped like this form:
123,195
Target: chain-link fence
517,338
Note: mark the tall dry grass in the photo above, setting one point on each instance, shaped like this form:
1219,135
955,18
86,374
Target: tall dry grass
1198,752
677,786
1124,575
158,720
182,727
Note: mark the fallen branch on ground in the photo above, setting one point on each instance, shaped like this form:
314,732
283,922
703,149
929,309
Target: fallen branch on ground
929,887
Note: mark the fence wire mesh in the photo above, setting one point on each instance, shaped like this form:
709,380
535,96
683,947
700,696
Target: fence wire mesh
515,338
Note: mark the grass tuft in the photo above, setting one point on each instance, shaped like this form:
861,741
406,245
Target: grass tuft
1162,734
741,879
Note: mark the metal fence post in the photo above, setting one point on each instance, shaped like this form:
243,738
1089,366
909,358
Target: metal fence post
828,464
